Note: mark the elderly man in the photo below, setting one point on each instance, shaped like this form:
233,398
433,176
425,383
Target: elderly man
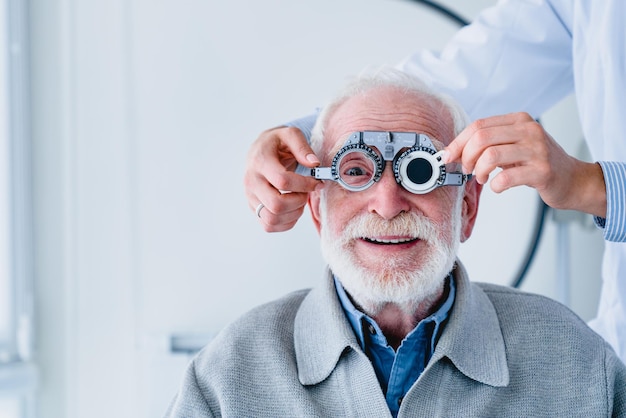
396,328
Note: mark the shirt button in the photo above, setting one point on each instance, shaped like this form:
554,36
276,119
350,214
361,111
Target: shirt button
371,329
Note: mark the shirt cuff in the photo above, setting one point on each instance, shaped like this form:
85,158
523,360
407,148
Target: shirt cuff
305,124
614,225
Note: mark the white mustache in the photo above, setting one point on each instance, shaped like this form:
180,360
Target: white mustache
406,224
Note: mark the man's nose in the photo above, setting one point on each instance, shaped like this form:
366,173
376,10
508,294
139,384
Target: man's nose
388,198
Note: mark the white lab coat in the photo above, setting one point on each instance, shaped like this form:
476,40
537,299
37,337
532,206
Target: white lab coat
526,55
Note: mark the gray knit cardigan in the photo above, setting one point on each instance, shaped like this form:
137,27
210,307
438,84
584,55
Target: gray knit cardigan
503,353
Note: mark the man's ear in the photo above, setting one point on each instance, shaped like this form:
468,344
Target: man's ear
314,205
469,210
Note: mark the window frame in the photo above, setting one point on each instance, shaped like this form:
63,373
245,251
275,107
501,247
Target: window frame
18,372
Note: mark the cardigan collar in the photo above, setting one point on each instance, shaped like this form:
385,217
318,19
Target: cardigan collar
472,338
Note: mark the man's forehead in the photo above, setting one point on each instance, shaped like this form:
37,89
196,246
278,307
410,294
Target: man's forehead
389,111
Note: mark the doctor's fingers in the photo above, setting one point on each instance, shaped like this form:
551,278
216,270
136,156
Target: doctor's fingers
475,130
274,156
280,222
537,173
546,168
529,138
277,212
269,171
502,156
270,177
284,146
554,187
515,176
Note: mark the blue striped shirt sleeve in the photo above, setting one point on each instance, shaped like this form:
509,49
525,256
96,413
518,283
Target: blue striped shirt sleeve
614,224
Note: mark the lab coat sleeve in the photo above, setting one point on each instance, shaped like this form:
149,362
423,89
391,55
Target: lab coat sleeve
515,56
614,224
305,124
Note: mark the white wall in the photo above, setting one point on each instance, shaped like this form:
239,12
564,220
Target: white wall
143,113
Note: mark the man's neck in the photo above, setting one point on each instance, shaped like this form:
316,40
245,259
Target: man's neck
397,322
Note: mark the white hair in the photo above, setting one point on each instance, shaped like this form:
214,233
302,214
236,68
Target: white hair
386,77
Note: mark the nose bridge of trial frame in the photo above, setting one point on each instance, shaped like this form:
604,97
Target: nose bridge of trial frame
389,144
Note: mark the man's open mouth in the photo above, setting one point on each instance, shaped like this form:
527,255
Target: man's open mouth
389,241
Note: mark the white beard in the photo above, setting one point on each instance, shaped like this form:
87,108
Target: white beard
394,281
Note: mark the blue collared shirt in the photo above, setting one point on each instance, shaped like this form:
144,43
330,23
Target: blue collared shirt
397,371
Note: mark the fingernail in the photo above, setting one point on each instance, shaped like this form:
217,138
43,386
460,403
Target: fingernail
312,158
445,155
319,187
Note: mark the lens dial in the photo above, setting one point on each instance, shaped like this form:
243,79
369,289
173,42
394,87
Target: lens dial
357,166
419,170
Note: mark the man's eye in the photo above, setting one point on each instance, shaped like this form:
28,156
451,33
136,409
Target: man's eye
355,171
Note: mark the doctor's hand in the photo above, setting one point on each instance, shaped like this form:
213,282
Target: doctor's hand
270,180
528,155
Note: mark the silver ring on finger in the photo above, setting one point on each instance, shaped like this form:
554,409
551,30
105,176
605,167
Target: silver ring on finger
258,209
